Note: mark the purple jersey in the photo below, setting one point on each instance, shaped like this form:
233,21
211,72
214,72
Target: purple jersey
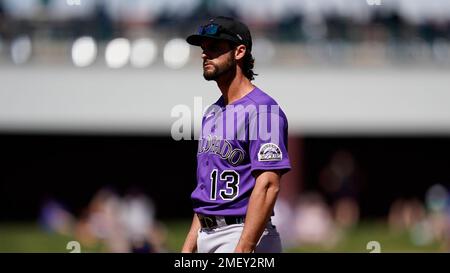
236,139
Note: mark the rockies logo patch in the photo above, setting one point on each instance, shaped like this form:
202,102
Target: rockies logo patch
270,152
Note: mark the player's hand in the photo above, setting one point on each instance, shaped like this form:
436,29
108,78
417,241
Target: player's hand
244,247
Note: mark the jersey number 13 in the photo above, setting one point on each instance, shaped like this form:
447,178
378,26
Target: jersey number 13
230,180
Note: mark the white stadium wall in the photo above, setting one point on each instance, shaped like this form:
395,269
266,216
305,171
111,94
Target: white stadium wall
316,101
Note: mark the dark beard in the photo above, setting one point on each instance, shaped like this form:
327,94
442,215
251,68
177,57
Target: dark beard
218,71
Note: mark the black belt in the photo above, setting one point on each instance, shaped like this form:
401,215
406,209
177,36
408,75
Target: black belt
210,221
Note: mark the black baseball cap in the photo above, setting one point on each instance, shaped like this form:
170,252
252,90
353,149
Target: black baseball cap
223,28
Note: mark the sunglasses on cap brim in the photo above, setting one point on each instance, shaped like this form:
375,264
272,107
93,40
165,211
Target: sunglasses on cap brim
215,29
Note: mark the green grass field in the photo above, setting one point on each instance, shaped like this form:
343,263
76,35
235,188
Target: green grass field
29,237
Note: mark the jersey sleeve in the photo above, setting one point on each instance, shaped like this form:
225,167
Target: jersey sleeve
269,150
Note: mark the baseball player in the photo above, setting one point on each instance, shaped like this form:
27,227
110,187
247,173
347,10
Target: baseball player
242,151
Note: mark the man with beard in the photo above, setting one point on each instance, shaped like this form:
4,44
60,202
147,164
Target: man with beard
242,150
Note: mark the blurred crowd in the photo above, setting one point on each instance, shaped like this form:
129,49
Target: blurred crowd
314,222
110,223
426,222
282,19
395,30
323,217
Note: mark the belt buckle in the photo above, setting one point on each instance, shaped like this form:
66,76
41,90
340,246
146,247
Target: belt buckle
209,221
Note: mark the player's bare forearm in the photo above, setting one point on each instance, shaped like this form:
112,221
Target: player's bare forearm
190,244
260,207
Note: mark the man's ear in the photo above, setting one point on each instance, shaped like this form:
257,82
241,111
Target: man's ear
239,52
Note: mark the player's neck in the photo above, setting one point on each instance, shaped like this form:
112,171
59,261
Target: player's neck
235,87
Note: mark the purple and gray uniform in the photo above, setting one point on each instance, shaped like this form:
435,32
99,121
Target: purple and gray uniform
247,135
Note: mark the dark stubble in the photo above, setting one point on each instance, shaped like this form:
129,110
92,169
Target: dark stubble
220,69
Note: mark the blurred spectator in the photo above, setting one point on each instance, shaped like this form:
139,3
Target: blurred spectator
121,224
404,214
346,212
54,217
138,217
437,199
104,221
426,223
2,25
60,10
341,182
447,228
284,220
24,9
314,223
104,27
2,15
